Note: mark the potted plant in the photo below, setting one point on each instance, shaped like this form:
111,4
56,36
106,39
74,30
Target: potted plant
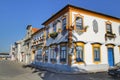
59,30
53,35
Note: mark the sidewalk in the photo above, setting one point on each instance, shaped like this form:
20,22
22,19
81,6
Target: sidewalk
55,70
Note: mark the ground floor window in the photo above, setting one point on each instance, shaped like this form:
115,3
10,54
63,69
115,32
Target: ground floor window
46,55
63,54
53,55
39,55
96,54
79,54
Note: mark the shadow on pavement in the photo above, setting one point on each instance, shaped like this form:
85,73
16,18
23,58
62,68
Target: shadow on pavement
47,75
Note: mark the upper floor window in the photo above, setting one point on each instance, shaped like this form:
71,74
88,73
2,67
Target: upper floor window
95,26
119,30
54,27
79,54
109,28
47,32
79,23
63,23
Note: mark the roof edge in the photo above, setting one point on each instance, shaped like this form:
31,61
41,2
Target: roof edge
69,5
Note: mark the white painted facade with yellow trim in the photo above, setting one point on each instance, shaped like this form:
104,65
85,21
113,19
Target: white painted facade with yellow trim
94,41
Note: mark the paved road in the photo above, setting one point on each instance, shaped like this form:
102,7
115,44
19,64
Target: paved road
95,76
14,71
10,70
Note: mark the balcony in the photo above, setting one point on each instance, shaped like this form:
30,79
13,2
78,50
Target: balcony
39,41
110,36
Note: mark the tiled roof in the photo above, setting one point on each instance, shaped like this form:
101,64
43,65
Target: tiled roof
34,30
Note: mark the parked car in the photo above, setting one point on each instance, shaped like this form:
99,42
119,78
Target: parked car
115,72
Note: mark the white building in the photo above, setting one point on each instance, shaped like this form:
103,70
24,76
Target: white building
28,43
17,50
80,39
38,44
21,50
12,52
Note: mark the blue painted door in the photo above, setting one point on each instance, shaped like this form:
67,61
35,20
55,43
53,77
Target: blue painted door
110,57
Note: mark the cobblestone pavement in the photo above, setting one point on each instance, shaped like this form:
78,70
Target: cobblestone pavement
14,71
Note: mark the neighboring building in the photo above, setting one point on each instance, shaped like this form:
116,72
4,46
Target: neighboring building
28,43
21,50
79,39
5,56
12,52
18,48
38,44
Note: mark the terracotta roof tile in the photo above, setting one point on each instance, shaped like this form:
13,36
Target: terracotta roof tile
34,30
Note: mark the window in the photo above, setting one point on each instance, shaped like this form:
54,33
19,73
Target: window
119,29
39,55
63,54
79,23
53,55
64,24
54,27
46,56
109,28
79,54
47,32
96,53
95,26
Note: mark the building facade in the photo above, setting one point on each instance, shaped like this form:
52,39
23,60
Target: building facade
12,52
28,43
38,44
21,50
79,39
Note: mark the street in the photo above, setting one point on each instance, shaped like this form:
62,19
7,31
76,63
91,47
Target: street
14,71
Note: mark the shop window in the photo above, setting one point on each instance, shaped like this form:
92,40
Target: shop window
79,54
63,54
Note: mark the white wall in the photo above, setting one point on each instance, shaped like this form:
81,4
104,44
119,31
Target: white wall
90,37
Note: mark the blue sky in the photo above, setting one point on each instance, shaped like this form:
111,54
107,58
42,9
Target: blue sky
15,15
